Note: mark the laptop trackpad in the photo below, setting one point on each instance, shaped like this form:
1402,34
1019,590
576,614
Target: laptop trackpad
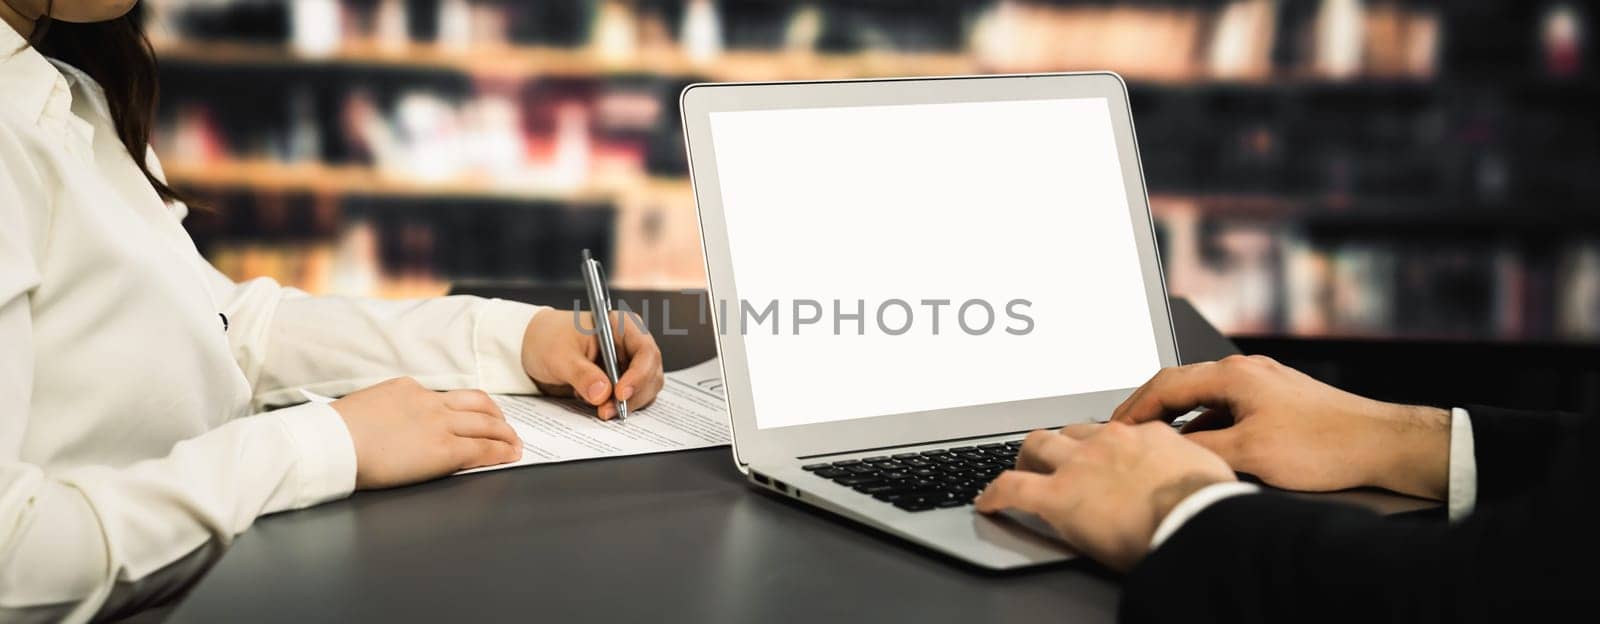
1031,522
1022,532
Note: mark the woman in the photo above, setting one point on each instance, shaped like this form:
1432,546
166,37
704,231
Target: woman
135,378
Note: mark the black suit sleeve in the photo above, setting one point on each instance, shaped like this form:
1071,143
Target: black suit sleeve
1514,449
1527,556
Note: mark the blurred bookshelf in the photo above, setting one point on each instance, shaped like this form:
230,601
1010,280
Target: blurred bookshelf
1318,168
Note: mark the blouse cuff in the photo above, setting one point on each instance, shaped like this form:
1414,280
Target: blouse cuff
497,345
326,469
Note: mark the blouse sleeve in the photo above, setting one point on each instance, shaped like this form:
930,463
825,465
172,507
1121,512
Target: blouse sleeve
70,538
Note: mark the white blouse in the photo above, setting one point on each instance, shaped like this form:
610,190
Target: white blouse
131,427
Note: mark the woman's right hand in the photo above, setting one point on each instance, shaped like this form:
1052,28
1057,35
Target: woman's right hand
405,433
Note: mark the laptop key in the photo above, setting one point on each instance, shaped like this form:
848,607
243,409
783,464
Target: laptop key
913,504
815,467
940,478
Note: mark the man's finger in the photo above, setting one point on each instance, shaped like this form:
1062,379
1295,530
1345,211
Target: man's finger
1081,431
1043,452
1015,489
1137,392
1223,442
472,401
1208,420
1175,391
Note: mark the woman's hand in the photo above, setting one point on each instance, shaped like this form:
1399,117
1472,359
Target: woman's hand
1295,432
1105,489
561,359
405,433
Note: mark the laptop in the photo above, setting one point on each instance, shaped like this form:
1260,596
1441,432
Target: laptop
908,275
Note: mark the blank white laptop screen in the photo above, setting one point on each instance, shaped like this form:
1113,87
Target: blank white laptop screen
890,210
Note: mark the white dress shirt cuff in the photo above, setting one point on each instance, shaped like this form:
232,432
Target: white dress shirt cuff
1194,504
497,343
326,469
1462,496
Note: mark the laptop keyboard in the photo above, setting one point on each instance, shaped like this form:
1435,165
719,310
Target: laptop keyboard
934,479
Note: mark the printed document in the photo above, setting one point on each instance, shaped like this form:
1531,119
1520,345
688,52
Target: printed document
689,413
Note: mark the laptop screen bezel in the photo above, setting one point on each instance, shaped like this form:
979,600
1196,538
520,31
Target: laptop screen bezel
752,443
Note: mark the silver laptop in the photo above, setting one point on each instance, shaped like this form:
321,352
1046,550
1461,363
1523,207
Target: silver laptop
909,275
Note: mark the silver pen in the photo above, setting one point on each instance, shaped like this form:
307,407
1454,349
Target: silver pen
594,281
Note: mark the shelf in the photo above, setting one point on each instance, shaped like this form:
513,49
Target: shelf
1443,215
515,62
521,62
272,176
1575,347
1303,210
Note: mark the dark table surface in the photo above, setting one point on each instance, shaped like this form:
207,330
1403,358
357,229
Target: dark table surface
671,537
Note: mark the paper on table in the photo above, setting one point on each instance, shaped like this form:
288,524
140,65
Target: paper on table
689,413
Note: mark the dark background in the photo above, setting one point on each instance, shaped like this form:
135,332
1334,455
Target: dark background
1397,196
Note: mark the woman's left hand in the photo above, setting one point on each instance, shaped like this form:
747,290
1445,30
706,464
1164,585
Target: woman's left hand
561,353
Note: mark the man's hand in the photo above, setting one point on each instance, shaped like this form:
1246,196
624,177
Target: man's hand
1105,489
1295,432
562,359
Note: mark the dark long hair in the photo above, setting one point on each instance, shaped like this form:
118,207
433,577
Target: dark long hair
119,57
